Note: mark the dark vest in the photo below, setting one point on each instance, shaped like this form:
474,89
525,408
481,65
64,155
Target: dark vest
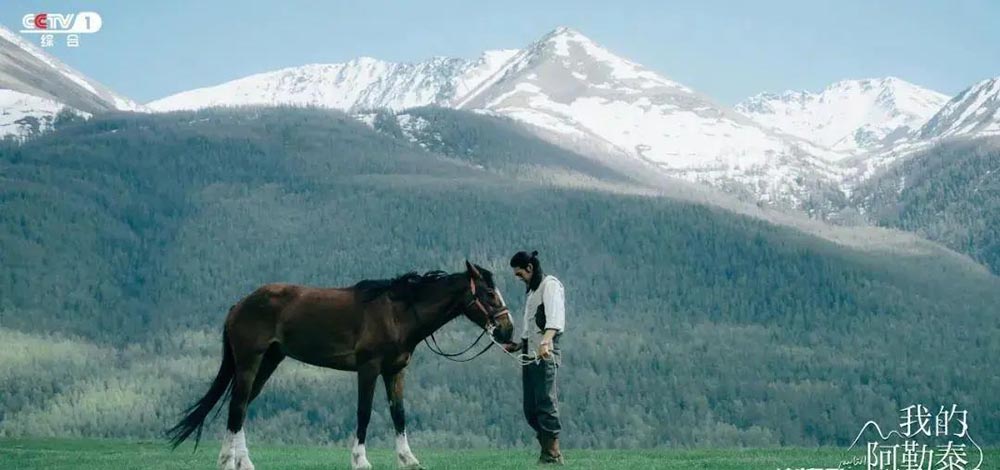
540,317
540,323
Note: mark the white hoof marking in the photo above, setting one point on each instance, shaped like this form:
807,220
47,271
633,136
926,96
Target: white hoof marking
404,456
359,458
234,454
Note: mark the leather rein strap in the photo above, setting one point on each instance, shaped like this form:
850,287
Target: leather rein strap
491,319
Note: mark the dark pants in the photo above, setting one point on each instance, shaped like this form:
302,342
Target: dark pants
541,404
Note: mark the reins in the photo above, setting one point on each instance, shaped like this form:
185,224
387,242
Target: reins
451,357
522,358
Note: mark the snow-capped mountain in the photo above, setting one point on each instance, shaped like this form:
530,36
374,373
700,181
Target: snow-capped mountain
973,112
34,87
793,149
571,91
574,90
27,69
362,83
24,115
850,116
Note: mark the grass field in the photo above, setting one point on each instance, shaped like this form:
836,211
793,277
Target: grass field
87,454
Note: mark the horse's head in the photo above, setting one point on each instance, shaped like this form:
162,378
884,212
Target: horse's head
486,306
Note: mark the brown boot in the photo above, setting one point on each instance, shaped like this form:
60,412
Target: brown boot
550,450
554,449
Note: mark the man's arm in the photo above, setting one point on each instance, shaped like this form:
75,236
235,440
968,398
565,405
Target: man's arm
545,346
555,306
555,316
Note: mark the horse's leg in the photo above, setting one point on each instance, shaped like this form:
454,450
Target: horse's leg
394,390
367,376
268,364
234,454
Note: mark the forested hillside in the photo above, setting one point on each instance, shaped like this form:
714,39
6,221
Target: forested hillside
950,194
125,238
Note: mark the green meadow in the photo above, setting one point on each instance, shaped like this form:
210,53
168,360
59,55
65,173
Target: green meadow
87,454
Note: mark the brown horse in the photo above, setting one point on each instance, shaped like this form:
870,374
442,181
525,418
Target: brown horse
371,328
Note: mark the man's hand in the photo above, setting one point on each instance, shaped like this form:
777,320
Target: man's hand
511,347
545,345
544,349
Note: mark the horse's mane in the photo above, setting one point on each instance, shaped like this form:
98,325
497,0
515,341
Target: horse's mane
409,287
403,287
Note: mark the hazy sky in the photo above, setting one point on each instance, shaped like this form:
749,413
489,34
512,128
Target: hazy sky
726,50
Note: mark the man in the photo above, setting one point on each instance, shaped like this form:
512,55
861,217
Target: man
544,313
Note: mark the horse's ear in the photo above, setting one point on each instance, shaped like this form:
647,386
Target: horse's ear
471,269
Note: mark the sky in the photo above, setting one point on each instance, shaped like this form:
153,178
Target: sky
727,50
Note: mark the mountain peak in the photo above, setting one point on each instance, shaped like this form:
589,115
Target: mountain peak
561,39
30,70
35,87
359,83
889,83
990,86
849,116
976,110
565,31
362,60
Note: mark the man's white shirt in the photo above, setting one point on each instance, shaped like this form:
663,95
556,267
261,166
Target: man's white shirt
550,293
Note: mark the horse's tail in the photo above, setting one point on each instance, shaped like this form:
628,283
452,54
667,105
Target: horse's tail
194,417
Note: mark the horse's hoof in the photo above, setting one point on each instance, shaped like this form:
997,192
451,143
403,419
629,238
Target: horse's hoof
244,463
408,462
360,463
228,464
359,458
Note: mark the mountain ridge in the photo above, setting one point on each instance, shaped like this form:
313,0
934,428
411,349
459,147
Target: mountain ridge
849,116
571,91
575,93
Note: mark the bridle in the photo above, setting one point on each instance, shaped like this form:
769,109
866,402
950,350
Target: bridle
491,325
491,318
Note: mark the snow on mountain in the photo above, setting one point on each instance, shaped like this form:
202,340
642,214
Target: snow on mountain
569,90
27,69
974,112
850,116
363,83
23,115
35,87
575,90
